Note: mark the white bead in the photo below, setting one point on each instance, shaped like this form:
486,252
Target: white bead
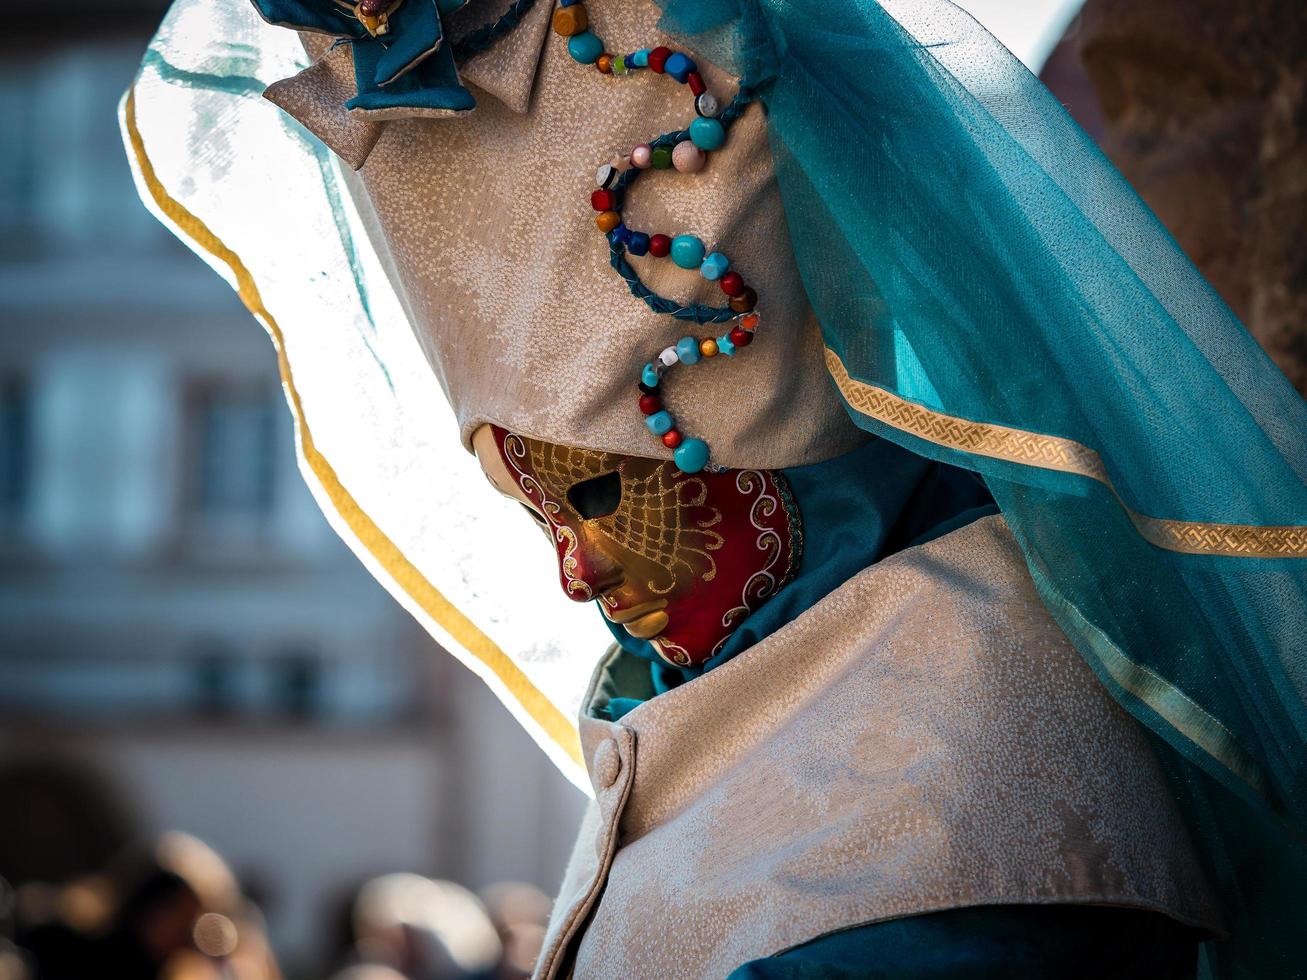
707,105
605,175
669,357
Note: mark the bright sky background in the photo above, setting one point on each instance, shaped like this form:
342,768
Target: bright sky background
1029,28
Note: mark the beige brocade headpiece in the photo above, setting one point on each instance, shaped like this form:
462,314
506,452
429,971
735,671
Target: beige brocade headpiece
485,220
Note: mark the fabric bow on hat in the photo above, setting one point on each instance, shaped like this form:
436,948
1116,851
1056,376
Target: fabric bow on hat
401,58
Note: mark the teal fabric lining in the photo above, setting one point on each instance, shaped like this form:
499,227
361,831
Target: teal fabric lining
998,942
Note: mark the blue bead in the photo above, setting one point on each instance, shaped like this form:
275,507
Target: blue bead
585,47
568,3
660,422
691,456
687,251
638,243
714,266
650,376
640,58
708,134
620,235
678,66
724,345
687,349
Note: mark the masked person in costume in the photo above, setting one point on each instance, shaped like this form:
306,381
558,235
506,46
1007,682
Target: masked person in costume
950,529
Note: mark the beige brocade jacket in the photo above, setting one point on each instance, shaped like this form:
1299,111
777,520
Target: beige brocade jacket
923,738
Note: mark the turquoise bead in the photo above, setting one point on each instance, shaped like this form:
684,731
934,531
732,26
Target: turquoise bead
724,345
691,456
715,266
687,251
660,422
586,48
687,349
640,58
708,134
650,376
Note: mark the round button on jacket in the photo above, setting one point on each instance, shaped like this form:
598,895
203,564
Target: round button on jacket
607,764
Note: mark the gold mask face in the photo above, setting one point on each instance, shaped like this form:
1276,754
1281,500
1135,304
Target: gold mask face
676,559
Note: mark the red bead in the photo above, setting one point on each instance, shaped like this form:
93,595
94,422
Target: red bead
671,439
732,283
650,404
603,200
660,245
658,58
695,81
741,338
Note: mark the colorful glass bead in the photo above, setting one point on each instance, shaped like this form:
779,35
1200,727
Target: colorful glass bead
570,21
678,66
638,243
672,439
745,300
660,422
695,81
714,266
619,65
707,133
650,404
620,235
731,283
640,59
650,376
706,105
603,200
605,64
741,338
661,158
658,58
688,158
750,321
607,221
708,347
687,348
607,175
725,346
687,251
585,47
691,456
660,246
642,156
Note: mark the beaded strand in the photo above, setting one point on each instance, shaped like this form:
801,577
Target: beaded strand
686,152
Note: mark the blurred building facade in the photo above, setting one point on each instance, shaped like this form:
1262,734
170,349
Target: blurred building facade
174,610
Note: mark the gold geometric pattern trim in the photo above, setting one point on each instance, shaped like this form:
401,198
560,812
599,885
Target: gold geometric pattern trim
552,721
1067,456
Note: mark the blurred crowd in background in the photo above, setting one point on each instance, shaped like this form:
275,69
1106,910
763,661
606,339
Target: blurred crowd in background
224,750
85,897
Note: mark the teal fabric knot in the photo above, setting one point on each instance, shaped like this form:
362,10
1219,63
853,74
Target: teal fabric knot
408,66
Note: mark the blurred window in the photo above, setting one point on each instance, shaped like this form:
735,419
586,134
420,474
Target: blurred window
233,457
15,444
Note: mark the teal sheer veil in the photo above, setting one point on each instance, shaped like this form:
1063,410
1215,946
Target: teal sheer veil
994,295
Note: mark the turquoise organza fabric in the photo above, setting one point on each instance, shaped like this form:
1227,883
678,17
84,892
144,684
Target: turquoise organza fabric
970,252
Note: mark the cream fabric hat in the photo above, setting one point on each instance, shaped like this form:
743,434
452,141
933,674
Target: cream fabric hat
489,228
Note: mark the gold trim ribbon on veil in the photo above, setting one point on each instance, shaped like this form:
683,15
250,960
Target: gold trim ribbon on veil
1067,456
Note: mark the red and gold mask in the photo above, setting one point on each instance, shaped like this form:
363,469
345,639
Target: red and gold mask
677,559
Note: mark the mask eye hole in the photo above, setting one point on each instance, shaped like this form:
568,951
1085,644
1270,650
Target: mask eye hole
596,497
535,516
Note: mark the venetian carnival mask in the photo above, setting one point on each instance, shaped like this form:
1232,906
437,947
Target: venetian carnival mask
677,559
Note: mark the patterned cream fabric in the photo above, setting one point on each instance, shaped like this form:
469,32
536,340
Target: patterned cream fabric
492,244
923,738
